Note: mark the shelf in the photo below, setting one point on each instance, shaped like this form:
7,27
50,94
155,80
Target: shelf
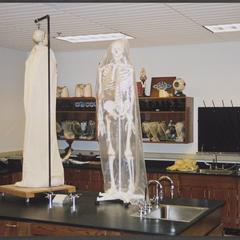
183,115
77,139
140,98
76,98
74,111
166,142
158,98
164,112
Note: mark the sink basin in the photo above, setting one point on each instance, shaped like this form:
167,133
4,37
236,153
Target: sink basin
216,171
178,213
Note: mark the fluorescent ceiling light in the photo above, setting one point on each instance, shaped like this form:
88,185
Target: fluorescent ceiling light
224,28
94,38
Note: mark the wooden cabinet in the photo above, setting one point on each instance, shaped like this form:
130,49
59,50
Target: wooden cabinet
43,229
15,177
5,179
162,114
14,228
217,188
76,116
84,179
79,114
27,229
80,178
10,178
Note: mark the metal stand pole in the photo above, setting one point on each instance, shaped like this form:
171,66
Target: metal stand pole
49,96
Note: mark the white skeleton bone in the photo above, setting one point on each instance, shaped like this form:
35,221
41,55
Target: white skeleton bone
116,99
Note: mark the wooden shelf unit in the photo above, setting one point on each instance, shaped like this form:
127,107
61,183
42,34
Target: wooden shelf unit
81,109
177,109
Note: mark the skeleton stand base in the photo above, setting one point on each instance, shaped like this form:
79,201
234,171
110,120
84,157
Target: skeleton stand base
125,197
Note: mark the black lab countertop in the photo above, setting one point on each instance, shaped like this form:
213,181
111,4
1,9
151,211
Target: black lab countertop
108,216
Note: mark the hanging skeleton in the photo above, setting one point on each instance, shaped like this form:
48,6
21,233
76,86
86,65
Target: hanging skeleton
119,130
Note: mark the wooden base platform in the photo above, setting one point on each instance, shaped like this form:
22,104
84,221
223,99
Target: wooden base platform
30,192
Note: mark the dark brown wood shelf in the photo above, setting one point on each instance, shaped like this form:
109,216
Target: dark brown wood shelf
84,111
155,110
152,109
77,139
76,98
162,112
158,98
166,142
74,109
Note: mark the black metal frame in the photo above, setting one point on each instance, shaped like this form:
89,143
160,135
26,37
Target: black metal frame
49,95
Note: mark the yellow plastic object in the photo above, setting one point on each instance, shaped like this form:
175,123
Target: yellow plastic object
184,165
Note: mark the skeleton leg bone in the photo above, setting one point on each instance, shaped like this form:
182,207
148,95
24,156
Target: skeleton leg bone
111,155
129,156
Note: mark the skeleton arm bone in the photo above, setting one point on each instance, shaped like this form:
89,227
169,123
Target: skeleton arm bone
101,127
130,123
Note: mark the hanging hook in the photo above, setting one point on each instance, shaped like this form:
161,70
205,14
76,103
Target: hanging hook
204,103
37,23
213,103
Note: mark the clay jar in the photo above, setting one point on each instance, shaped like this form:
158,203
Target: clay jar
87,90
62,91
79,90
65,92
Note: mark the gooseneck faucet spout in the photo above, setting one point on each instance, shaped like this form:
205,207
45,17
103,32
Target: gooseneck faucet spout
167,178
158,191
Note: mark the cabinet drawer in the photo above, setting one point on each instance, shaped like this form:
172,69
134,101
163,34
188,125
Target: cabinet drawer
14,229
59,230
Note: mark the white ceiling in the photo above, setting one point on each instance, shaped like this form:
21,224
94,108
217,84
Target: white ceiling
152,24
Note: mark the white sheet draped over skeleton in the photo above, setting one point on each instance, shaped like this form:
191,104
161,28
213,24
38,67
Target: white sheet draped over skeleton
35,152
119,129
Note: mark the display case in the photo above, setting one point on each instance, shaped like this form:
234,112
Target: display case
164,120
167,120
76,118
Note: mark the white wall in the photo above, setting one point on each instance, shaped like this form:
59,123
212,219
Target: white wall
211,71
11,99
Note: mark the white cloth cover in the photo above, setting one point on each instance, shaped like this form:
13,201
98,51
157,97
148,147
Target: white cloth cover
119,128
35,153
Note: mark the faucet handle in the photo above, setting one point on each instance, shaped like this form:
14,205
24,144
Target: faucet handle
172,191
144,208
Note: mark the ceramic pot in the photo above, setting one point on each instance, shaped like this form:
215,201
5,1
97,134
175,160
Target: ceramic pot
79,90
64,92
87,90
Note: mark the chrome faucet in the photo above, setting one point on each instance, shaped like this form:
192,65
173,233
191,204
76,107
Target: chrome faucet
163,178
147,206
208,164
158,192
215,160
